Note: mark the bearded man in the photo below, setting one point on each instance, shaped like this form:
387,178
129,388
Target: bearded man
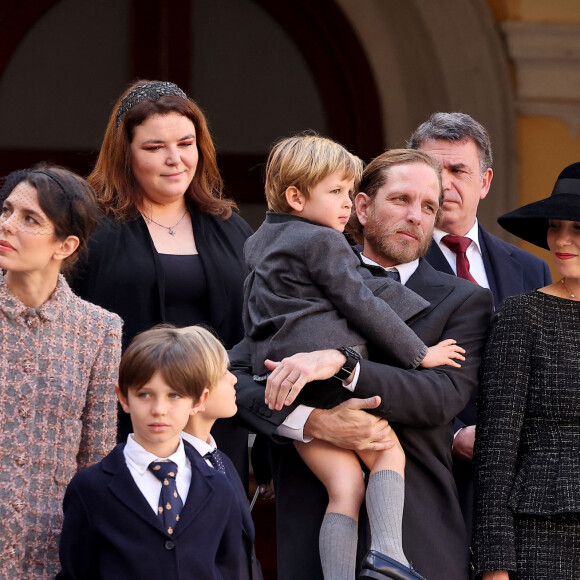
397,208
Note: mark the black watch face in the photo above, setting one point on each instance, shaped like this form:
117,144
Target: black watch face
350,353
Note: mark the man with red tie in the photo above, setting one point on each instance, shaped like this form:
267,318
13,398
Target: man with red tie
461,246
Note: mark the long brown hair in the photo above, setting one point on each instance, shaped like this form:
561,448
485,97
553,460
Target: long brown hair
113,179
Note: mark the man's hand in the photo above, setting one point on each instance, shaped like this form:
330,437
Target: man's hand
266,490
348,426
289,376
462,447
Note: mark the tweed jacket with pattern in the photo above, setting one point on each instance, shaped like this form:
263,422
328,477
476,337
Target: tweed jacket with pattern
58,368
527,449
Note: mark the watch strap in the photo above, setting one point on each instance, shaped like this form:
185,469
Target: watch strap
352,359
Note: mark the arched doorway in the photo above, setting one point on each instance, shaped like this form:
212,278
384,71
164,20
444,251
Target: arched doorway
261,69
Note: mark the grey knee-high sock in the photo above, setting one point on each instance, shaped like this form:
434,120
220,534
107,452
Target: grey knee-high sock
337,544
385,498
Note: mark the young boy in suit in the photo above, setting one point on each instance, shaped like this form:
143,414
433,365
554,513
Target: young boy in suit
307,290
218,401
152,508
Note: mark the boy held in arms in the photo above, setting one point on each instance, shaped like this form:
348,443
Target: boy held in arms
218,401
308,290
152,508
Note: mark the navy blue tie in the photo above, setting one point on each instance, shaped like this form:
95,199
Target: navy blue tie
394,274
170,503
216,460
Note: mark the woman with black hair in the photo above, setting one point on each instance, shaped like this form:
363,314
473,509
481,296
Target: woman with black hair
58,364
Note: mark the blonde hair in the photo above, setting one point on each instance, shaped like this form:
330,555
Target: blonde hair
189,359
303,161
216,358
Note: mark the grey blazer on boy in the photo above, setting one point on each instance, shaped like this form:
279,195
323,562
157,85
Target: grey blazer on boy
308,291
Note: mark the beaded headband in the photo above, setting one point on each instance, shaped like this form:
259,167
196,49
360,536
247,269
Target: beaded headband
151,91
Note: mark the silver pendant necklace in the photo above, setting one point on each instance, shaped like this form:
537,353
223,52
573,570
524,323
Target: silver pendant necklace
566,287
171,229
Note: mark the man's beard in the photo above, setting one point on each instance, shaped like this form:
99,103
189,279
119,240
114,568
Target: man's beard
381,239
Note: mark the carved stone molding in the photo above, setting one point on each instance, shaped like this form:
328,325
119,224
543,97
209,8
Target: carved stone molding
547,65
443,56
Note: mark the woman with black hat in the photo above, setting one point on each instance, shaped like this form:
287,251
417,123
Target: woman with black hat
527,448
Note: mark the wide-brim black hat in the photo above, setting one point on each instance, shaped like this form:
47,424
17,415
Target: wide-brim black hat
530,222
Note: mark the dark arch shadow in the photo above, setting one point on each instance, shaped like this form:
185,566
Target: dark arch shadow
340,68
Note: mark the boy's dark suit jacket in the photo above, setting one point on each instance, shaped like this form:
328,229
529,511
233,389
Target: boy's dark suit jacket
110,531
249,567
510,271
421,405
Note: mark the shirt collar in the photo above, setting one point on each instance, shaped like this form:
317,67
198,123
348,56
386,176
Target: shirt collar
50,310
202,447
405,270
472,234
140,458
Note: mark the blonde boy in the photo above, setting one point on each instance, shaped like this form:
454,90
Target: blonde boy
218,401
308,290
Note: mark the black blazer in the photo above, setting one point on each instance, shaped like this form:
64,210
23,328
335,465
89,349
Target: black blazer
110,531
123,274
421,405
509,271
249,567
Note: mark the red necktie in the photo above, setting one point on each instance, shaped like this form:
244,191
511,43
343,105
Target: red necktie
458,245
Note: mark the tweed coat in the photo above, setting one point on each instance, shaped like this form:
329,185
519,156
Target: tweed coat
527,445
58,368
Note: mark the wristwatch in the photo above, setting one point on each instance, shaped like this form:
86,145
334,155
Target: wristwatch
352,359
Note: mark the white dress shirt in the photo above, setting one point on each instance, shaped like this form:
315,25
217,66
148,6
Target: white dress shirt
138,460
202,447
